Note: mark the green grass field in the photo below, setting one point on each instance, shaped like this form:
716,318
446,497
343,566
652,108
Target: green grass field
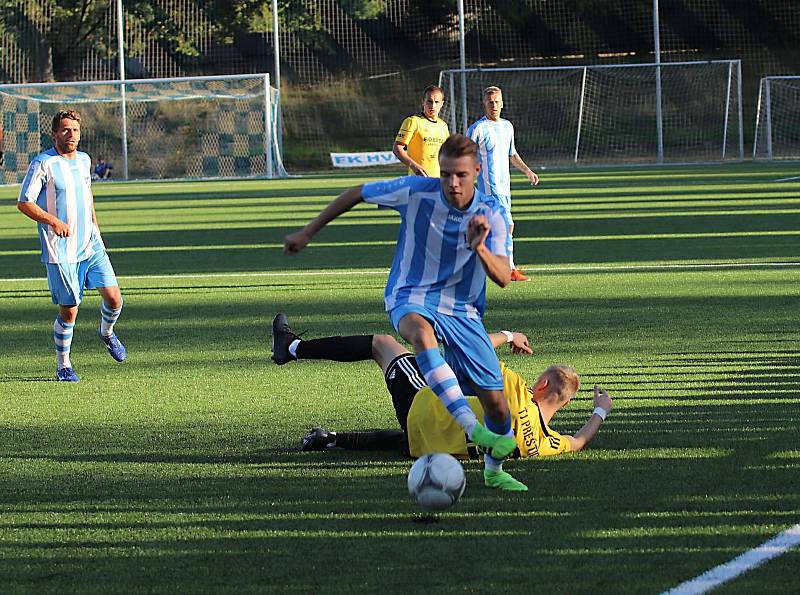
677,289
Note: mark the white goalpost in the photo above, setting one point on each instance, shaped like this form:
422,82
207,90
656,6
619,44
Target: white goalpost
777,133
622,114
175,128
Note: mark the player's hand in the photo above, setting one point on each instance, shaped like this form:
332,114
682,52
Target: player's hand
294,242
60,228
477,230
419,171
602,399
533,178
519,344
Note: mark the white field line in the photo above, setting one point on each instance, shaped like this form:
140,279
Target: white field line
777,546
574,269
792,179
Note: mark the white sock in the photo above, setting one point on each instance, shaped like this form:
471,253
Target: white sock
108,318
62,336
293,348
443,382
492,464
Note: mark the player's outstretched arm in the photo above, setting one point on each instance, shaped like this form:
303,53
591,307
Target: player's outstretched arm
602,406
523,167
400,151
496,266
35,212
519,342
298,240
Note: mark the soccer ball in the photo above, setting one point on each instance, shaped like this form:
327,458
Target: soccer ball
436,481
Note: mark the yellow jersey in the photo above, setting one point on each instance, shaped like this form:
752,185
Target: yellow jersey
422,137
431,428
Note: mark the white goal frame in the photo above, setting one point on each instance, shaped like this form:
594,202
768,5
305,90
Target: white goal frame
730,139
768,119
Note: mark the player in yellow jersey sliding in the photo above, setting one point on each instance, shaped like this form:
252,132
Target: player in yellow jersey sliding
420,136
426,424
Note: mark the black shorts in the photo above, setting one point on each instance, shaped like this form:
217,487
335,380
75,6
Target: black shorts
404,380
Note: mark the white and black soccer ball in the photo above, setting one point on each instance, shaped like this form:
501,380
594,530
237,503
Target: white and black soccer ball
436,481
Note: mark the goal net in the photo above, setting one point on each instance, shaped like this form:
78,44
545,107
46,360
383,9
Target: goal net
678,112
196,127
778,118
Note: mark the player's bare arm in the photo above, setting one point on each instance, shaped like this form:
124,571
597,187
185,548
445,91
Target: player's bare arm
35,212
519,342
400,151
517,161
94,213
496,266
582,437
298,240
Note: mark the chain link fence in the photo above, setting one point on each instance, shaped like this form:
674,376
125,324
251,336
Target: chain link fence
352,69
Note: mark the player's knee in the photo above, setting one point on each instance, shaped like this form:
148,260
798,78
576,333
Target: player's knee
381,343
113,299
68,314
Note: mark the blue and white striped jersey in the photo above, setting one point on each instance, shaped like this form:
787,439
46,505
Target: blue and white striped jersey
433,265
62,187
495,147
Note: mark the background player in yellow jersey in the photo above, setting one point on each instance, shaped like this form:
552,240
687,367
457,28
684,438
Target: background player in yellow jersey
426,424
420,136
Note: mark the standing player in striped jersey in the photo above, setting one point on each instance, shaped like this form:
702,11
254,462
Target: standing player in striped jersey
57,194
420,136
451,238
495,137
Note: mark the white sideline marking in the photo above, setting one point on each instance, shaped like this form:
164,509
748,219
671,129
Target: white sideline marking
777,546
792,179
577,269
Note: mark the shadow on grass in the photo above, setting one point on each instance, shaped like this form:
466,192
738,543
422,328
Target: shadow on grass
156,256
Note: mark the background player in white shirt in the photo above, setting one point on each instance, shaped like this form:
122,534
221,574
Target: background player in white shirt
495,138
57,194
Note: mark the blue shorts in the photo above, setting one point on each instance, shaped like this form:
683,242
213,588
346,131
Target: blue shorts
68,280
467,347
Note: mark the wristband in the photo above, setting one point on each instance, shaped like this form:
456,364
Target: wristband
509,336
601,412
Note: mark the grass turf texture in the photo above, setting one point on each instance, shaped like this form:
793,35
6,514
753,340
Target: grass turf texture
178,470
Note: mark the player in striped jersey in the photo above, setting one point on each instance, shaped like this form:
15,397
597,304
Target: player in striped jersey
57,194
420,136
451,238
425,425
495,137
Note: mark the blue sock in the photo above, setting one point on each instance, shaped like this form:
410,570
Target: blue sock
443,382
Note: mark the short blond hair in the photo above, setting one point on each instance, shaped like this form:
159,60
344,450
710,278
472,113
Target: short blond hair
564,381
491,90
